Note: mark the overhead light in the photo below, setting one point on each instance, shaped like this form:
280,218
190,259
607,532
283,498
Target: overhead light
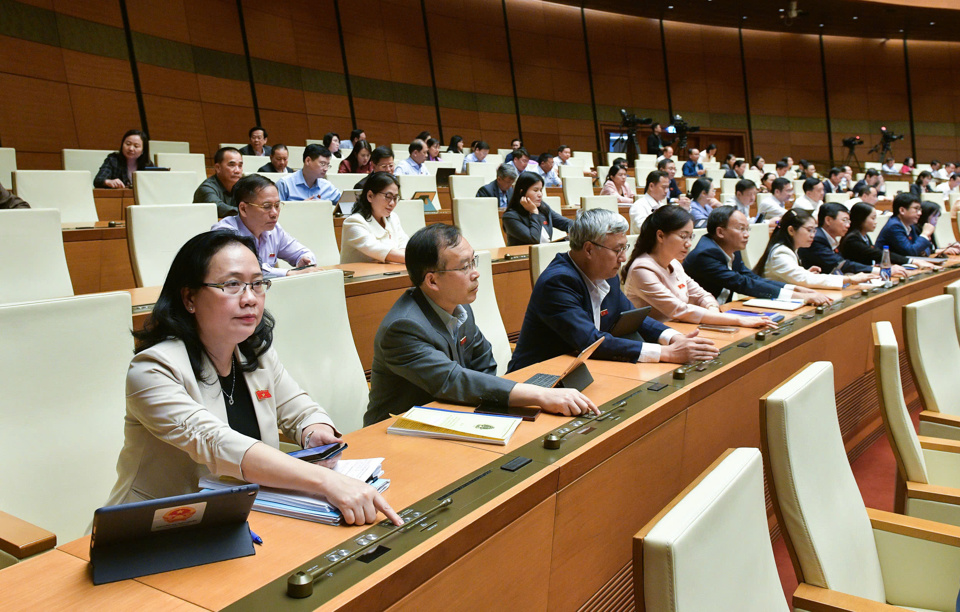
670,7
821,25
933,23
781,10
855,18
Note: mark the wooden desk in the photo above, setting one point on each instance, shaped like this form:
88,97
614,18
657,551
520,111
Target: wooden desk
112,203
98,257
559,537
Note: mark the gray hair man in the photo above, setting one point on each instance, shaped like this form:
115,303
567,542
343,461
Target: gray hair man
501,187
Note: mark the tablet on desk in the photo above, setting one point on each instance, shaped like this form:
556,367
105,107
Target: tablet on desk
630,321
576,376
443,176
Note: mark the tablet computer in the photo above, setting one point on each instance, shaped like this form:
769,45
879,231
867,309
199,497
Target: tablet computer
630,321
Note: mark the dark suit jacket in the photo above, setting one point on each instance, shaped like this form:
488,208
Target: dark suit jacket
674,189
522,227
731,173
115,167
707,264
248,150
821,254
492,190
8,200
918,191
559,319
417,361
900,240
268,167
828,187
859,248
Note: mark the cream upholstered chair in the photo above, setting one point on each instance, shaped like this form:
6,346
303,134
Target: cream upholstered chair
605,202
698,233
8,165
587,157
295,159
570,171
603,171
943,230
576,188
479,220
486,311
411,185
163,147
433,166
410,213
728,186
252,163
273,176
314,342
882,219
485,169
184,162
85,159
542,254
555,202
38,233
69,191
156,233
455,158
953,289
311,223
64,364
493,158
155,188
843,553
465,185
345,181
933,357
709,549
646,160
401,150
839,198
756,244
753,175
716,174
235,145
895,187
928,469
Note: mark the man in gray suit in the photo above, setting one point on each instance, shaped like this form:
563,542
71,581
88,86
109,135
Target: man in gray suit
502,187
429,347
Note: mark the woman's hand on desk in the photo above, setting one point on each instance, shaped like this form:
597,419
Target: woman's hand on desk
764,322
687,348
114,184
357,501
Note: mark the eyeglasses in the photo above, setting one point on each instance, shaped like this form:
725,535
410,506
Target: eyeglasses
267,206
685,236
743,229
390,197
323,165
235,287
473,265
619,250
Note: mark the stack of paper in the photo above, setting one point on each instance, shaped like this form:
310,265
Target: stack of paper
452,425
304,506
775,304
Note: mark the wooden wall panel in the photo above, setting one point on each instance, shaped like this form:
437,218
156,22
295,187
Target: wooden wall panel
936,96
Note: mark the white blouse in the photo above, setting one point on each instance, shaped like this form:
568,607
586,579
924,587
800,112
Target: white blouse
783,265
364,241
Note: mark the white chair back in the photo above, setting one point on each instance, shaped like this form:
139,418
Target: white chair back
85,159
273,176
66,362
586,156
728,187
465,186
756,244
754,175
433,166
156,233
8,165
542,254
943,230
344,181
455,158
704,551
401,150
37,232
646,160
410,213
953,289
839,198
577,188
315,344
164,147
494,158
818,498
570,171
70,192
311,223
479,220
932,358
698,233
486,311
184,162
157,188
605,202
874,165
411,185
252,163
295,159
235,145
716,174
895,187
486,170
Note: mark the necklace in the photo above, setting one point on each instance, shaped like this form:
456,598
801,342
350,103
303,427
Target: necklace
233,386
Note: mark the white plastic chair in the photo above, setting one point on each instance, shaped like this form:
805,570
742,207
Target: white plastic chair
486,169
38,233
882,219
756,244
606,202
465,186
8,165
479,221
486,311
345,181
63,364
158,188
295,159
586,156
311,223
70,192
315,344
933,351
164,147
410,213
156,233
85,159
577,188
542,254
184,162
252,163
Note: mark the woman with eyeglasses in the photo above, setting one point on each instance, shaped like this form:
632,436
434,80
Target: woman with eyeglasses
654,276
206,393
259,206
796,230
372,233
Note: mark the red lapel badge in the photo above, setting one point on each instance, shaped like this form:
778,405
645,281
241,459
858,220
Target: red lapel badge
603,312
263,394
463,340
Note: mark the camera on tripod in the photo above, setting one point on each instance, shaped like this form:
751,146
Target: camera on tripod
852,141
888,136
629,120
681,128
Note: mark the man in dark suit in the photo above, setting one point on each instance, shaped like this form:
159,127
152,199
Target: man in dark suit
258,143
832,184
715,263
577,300
501,187
736,172
655,143
824,252
429,347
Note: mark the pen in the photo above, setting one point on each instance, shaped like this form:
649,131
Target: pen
256,539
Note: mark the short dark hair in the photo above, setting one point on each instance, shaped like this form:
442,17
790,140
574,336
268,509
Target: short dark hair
810,184
380,153
520,152
779,184
544,157
829,209
256,128
218,156
424,136
662,164
861,189
525,181
562,147
313,151
719,217
835,171
739,163
667,219
328,138
654,125
782,164
481,145
355,134
375,183
248,187
517,139
934,161
743,185
763,179
422,254
170,318
654,177
279,147
871,172
711,147
903,201
415,146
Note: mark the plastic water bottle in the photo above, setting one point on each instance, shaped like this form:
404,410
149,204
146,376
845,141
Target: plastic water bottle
885,272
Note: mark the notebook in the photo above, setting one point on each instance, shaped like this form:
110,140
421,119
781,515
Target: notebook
452,425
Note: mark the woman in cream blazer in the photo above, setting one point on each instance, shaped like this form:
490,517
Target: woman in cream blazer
372,233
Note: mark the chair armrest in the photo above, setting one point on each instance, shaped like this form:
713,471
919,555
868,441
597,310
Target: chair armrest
939,425
22,539
919,560
942,460
939,444
940,417
815,599
944,495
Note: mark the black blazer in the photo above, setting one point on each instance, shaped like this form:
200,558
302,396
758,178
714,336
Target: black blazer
731,173
821,254
707,264
491,190
115,167
522,227
918,191
859,248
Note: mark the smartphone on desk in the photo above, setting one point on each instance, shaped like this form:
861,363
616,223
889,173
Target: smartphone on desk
527,414
319,453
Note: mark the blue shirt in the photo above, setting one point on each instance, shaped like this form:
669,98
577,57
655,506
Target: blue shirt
272,245
294,187
699,211
550,179
692,169
409,167
471,158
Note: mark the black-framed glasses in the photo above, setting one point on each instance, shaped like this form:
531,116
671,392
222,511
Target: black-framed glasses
235,287
473,265
619,250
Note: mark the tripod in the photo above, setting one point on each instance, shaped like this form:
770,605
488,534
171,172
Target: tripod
851,157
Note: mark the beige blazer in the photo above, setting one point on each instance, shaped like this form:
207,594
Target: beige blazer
176,428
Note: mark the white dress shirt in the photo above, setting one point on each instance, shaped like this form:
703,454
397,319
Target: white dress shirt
805,203
640,210
770,207
783,265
